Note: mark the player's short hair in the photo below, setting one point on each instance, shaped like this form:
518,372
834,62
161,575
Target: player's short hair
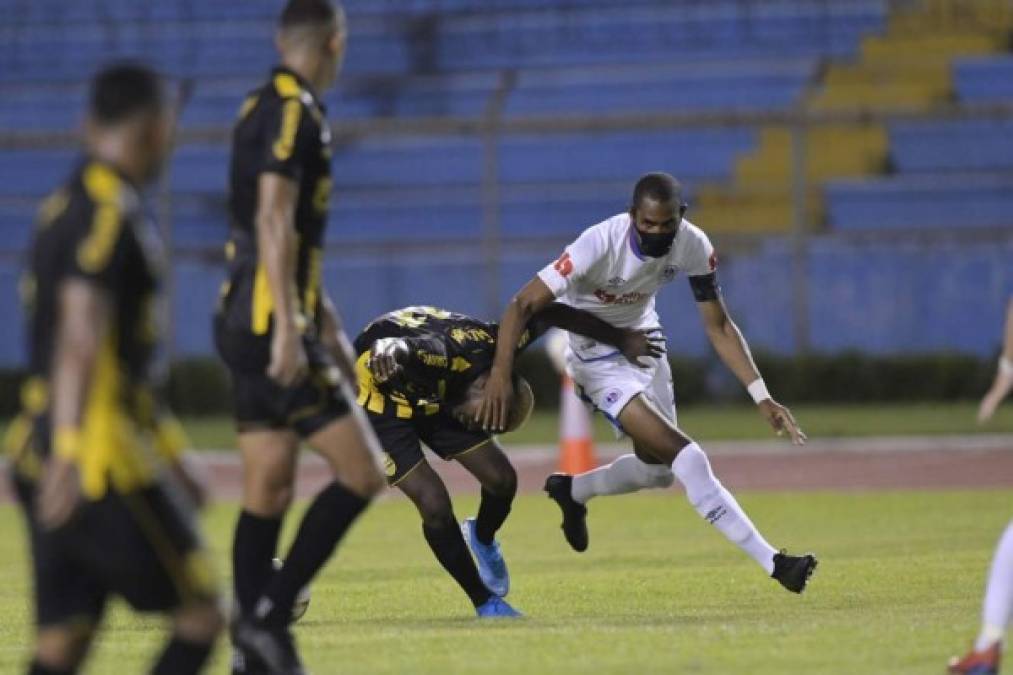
311,14
122,90
657,186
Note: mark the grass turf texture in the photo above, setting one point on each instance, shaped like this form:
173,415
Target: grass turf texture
734,422
898,591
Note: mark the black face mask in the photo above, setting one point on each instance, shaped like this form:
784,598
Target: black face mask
656,244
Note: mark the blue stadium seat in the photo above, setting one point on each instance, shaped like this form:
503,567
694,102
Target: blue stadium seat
929,201
984,79
976,145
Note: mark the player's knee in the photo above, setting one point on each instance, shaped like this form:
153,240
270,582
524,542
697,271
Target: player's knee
503,483
200,622
62,648
366,481
268,498
435,508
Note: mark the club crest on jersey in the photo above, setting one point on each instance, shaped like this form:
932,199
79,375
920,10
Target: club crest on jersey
611,397
669,273
615,282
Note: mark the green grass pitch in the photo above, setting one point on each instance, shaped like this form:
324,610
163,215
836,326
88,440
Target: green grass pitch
898,591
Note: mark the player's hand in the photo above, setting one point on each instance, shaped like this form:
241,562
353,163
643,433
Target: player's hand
638,343
496,399
288,357
59,493
386,358
781,420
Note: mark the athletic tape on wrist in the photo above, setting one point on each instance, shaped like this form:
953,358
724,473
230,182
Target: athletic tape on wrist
1005,366
758,390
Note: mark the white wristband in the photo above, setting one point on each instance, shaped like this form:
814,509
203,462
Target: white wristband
758,390
1005,366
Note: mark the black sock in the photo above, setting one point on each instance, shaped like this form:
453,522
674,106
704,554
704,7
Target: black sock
449,548
37,668
491,513
325,523
182,657
252,552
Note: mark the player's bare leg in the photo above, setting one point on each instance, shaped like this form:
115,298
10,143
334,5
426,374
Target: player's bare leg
269,461
61,649
439,526
498,478
1002,385
350,449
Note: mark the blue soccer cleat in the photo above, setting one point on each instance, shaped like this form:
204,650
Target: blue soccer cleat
491,566
497,608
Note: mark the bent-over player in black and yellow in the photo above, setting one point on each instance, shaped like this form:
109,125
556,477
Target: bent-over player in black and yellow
441,357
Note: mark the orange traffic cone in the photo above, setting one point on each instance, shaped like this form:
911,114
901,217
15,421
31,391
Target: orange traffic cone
576,443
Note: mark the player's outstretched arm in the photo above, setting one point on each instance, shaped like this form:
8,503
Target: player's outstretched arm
277,196
533,298
632,343
728,342
84,320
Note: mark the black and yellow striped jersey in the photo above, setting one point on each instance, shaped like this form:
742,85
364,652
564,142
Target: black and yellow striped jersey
282,128
93,228
446,352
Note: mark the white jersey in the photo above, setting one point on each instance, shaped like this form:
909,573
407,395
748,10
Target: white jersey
603,272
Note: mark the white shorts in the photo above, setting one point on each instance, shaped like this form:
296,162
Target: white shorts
610,383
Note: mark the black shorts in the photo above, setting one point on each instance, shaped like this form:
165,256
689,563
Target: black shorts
142,546
261,403
401,440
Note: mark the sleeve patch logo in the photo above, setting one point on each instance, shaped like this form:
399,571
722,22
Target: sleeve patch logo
713,261
564,265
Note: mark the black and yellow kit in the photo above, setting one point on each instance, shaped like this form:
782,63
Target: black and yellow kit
282,129
446,352
129,536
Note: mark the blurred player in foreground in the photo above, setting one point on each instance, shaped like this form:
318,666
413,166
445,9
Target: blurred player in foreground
93,453
421,374
1003,383
614,270
996,612
292,367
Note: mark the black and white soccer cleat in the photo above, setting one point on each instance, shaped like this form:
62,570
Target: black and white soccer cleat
793,571
574,513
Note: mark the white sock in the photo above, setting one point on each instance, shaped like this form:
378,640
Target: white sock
995,614
624,474
718,507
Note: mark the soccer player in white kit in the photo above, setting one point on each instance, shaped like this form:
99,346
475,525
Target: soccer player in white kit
614,270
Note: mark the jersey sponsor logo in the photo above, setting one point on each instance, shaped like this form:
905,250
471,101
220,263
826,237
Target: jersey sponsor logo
462,335
615,282
564,265
713,261
430,359
669,273
611,397
625,299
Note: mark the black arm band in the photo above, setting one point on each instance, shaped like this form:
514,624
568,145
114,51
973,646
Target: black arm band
705,287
